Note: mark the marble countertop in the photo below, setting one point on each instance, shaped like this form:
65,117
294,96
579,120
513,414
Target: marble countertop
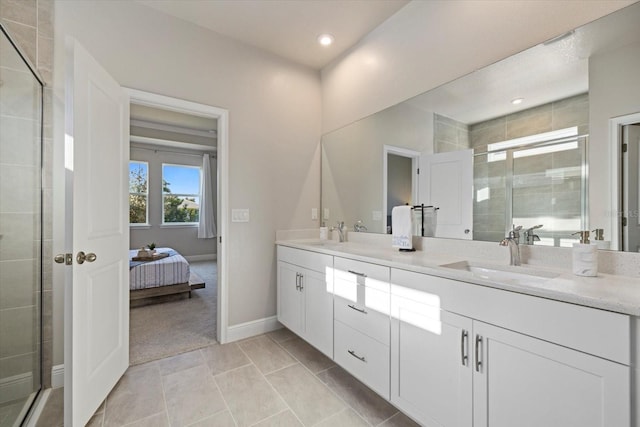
619,294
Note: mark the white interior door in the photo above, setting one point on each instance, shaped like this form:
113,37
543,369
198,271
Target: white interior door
446,182
97,296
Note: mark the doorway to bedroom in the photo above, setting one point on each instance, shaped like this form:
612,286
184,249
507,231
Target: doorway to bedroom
173,212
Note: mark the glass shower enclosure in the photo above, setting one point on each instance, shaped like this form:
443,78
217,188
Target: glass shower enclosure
20,234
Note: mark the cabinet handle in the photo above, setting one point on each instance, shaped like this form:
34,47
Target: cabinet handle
297,281
478,361
360,358
464,339
361,310
301,282
357,274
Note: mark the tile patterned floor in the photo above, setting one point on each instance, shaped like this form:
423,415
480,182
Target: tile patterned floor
275,379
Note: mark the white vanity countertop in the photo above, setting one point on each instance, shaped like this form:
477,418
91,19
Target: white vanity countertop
619,294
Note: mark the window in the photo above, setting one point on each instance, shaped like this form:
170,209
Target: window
138,192
570,134
180,194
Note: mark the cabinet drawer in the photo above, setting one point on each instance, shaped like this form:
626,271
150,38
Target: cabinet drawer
364,273
307,259
369,314
363,357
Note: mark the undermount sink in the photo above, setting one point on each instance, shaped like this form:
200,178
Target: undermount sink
503,273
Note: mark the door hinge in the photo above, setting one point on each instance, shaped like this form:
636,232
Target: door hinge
625,148
624,221
220,237
418,171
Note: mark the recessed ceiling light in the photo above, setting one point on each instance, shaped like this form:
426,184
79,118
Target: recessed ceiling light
325,39
517,101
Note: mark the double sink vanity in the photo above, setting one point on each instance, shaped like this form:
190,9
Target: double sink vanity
461,342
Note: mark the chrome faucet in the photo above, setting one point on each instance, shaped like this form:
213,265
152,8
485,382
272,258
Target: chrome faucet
340,228
530,237
359,226
513,241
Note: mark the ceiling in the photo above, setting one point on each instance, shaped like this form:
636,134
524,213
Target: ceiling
288,28
549,71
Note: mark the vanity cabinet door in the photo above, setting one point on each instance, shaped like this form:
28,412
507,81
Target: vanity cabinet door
526,382
290,298
431,363
318,310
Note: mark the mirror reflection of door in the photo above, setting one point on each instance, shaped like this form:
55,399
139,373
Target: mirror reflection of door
400,176
399,182
446,182
631,188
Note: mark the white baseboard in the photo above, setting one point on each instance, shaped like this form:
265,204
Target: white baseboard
16,386
253,328
204,257
57,376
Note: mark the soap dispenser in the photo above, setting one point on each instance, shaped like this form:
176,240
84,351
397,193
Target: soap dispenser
599,239
585,256
324,232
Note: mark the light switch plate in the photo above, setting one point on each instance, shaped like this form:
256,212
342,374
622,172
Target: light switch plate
314,214
239,215
325,214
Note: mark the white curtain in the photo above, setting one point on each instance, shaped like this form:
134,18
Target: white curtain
207,224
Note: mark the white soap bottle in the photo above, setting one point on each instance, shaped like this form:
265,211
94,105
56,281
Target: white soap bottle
585,256
324,232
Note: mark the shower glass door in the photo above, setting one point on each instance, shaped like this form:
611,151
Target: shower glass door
536,184
550,189
20,234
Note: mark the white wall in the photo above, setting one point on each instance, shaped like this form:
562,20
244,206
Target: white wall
428,43
613,91
183,239
274,120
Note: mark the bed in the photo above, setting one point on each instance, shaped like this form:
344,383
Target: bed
164,276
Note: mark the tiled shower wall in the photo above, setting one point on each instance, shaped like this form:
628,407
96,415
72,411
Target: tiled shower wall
30,25
560,199
449,134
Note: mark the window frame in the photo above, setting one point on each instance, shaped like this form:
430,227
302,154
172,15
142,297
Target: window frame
146,195
165,224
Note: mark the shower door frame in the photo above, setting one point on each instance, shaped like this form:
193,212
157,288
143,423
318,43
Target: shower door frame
30,405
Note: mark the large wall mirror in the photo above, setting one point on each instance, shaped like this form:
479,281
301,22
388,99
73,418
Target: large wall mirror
540,139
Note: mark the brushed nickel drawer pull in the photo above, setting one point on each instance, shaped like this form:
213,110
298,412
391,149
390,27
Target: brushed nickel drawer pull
360,358
478,361
357,274
360,310
463,344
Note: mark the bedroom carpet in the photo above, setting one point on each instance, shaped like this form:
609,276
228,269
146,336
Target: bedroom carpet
175,324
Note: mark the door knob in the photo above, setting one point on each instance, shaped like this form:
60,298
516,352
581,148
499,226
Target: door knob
59,258
82,257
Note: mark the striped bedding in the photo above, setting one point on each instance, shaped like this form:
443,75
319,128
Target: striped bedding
171,270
